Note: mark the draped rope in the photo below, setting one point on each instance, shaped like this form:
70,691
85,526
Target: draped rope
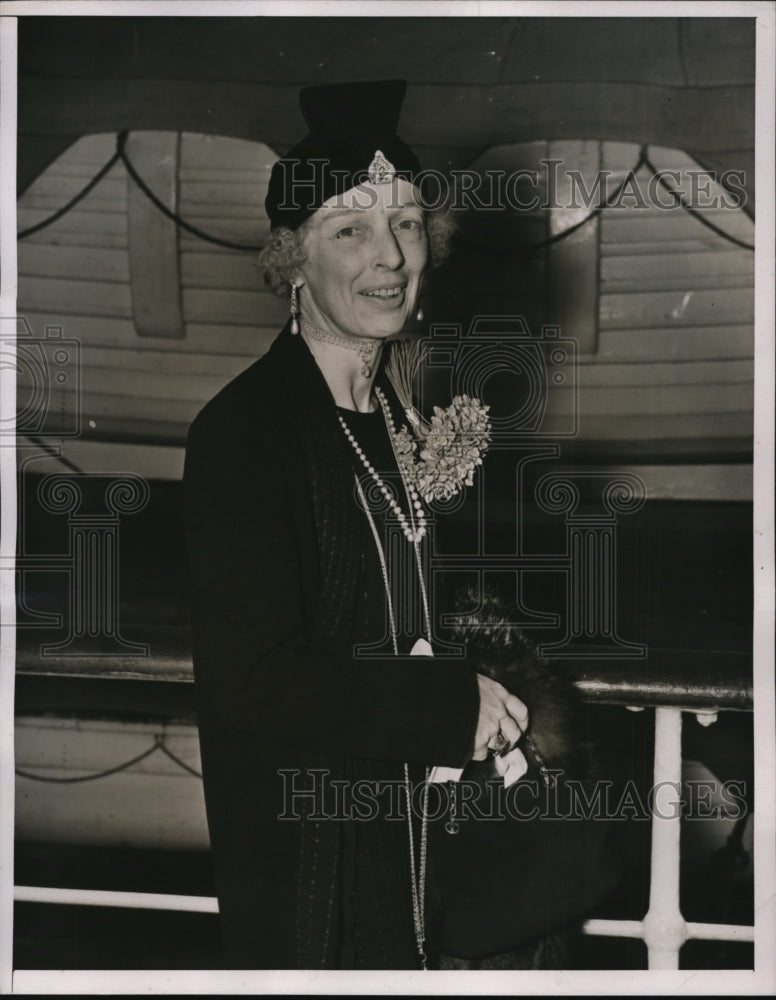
679,200
159,744
120,154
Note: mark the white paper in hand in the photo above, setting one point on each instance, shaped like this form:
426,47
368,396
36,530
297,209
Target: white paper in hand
512,766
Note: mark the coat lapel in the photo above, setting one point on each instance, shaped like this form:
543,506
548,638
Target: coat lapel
328,479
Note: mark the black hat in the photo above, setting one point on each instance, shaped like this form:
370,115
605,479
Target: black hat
352,139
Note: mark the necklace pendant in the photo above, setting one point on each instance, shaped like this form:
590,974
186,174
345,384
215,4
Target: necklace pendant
366,371
422,647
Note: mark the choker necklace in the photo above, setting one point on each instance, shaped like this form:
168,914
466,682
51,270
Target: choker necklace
367,348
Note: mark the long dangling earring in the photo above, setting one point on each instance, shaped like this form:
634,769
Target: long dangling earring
294,309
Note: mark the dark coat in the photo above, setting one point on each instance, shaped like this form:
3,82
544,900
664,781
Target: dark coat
274,539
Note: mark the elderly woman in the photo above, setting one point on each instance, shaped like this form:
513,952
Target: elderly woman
306,684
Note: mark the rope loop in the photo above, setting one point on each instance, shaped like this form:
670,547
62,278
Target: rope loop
120,154
158,744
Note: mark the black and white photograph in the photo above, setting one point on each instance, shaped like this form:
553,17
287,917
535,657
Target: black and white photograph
386,438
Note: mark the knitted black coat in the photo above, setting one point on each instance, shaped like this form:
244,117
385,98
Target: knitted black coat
274,541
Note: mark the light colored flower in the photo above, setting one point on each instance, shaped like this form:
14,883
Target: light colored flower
451,446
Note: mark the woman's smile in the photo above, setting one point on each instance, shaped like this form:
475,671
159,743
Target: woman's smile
391,295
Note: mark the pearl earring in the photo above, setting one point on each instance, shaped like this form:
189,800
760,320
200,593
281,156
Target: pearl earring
419,315
294,309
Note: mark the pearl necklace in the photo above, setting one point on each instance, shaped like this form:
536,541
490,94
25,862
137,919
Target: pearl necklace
418,886
414,528
367,348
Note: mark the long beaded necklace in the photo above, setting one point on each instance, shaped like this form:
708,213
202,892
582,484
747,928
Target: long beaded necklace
367,348
417,882
414,529
414,501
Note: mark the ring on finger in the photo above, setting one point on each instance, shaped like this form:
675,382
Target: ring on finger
500,743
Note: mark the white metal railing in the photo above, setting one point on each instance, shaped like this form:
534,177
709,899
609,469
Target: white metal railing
109,897
663,928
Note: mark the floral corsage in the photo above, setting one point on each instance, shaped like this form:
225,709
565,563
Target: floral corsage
438,456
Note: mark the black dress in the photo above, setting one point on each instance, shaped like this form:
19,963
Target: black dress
377,927
286,585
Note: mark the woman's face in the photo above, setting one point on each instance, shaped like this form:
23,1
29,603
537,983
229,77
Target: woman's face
366,253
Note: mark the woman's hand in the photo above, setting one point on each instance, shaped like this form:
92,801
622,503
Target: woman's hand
500,711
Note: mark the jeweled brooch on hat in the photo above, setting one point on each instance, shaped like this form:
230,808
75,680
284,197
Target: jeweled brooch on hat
381,170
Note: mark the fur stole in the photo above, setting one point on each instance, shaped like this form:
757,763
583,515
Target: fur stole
555,739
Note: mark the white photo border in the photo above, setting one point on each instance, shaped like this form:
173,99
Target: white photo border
763,979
